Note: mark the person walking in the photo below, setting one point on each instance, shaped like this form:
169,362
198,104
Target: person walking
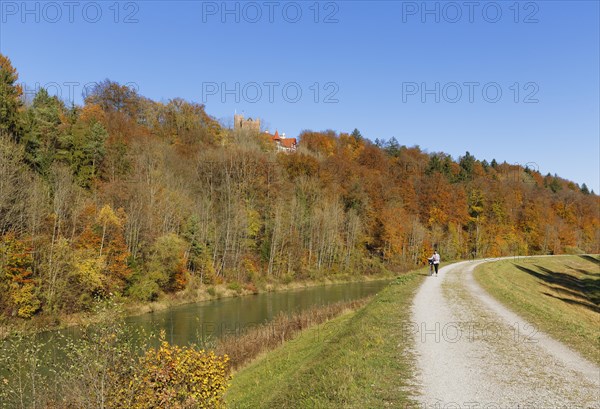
436,261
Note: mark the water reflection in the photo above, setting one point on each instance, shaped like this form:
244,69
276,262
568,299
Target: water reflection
202,322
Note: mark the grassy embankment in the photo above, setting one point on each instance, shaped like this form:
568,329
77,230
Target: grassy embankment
560,295
243,348
357,360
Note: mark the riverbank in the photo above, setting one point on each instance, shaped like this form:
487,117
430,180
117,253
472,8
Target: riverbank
203,293
241,327
216,292
359,359
244,347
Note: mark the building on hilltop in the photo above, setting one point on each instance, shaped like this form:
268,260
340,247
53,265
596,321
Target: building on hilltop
239,123
283,144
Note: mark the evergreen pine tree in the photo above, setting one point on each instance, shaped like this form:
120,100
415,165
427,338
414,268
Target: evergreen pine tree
10,99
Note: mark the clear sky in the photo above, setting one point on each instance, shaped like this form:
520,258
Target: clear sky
514,81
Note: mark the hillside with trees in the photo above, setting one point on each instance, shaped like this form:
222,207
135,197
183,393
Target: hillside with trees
137,198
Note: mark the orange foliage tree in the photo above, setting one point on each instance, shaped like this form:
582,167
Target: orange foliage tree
18,287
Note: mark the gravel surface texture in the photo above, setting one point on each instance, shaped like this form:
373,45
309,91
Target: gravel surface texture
472,352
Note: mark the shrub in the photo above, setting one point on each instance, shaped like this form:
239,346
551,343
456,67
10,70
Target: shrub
251,288
235,286
144,288
177,377
109,365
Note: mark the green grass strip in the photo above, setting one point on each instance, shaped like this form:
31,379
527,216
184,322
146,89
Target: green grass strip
357,360
560,295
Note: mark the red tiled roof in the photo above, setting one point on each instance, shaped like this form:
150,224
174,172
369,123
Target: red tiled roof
288,142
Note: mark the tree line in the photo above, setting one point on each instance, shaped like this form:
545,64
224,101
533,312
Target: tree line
136,198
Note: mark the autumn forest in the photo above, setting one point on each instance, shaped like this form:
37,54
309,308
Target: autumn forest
129,197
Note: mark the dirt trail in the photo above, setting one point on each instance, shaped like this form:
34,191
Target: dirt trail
472,352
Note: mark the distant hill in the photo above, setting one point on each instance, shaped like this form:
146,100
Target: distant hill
129,196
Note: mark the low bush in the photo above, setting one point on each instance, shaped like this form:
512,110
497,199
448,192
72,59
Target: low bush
109,366
176,377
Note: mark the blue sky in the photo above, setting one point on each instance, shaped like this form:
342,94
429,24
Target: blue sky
514,81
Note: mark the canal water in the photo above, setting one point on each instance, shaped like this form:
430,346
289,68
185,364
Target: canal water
206,321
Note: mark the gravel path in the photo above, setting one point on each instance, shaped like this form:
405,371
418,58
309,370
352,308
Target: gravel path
472,352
